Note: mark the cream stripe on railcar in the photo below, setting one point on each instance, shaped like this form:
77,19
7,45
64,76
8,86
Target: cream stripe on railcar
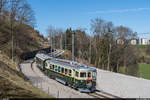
47,67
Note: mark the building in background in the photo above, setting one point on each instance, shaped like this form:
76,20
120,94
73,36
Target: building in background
134,41
120,41
144,41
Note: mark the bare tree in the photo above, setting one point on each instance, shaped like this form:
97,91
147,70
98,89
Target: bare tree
26,15
81,44
3,4
97,26
125,34
110,55
54,34
18,9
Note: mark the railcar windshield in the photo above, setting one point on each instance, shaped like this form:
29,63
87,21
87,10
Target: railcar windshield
77,74
94,75
82,74
89,74
62,70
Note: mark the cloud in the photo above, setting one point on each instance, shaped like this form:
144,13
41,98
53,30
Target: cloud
119,11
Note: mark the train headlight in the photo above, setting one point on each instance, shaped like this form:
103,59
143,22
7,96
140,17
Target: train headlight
89,79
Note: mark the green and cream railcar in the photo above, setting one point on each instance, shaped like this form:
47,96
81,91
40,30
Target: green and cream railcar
77,76
40,59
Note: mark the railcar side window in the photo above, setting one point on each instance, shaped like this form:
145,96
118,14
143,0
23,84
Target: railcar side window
62,70
50,66
59,69
53,67
56,68
94,75
89,74
70,72
82,74
66,71
77,74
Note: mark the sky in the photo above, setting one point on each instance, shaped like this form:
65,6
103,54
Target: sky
64,14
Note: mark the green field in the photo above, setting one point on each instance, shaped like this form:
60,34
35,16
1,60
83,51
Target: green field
144,70
142,46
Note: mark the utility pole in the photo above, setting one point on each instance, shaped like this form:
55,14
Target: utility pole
11,24
73,46
90,51
51,43
12,43
109,53
65,41
61,42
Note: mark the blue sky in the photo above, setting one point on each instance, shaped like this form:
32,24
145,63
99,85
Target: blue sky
134,14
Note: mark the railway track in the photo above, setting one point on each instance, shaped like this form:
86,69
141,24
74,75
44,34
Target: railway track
102,95
95,94
110,95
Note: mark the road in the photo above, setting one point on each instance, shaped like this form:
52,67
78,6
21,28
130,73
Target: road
48,85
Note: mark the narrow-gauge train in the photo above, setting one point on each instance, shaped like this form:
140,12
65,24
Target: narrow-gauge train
73,74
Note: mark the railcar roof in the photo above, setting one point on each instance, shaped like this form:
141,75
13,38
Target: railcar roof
65,63
43,56
77,67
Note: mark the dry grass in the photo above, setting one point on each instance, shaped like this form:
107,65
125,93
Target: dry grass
14,84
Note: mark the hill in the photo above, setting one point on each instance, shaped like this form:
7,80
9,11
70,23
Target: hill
25,39
13,83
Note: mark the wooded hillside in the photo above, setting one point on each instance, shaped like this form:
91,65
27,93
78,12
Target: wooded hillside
17,34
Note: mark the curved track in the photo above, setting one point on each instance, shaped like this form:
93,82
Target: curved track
94,95
102,95
50,86
53,87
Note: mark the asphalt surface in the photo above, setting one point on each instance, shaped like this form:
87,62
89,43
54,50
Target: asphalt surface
123,86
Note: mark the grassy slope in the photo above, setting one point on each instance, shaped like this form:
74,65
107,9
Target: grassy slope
13,82
142,51
144,70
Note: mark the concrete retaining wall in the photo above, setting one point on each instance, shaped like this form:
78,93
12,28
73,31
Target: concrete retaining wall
123,85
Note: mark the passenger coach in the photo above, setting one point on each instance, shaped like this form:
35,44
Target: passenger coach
73,74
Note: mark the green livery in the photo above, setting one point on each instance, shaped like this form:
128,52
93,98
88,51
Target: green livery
70,73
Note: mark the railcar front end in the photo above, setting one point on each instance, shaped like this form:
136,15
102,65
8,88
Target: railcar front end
87,81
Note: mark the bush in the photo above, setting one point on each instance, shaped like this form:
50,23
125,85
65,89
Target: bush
148,50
